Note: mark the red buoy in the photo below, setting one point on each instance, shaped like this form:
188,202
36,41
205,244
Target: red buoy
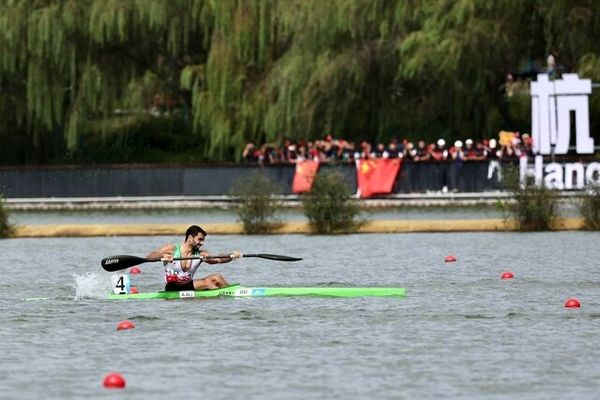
135,270
114,381
450,259
507,275
125,325
133,290
572,303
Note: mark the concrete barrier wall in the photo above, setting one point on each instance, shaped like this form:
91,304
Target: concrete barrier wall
206,180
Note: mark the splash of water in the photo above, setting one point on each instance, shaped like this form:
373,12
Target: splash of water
90,286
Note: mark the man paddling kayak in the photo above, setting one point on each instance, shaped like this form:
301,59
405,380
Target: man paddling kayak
179,274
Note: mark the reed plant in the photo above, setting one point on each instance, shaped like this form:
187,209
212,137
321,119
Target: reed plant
589,207
533,207
257,202
329,206
6,229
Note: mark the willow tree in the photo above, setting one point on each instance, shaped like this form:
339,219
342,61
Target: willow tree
256,70
218,73
297,69
462,51
91,66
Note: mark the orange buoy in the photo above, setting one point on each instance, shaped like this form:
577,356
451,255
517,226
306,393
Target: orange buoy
114,381
572,303
450,259
507,275
133,290
125,325
135,270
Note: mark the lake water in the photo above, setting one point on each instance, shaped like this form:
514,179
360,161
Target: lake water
461,331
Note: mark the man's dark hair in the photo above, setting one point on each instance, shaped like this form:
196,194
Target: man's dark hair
193,231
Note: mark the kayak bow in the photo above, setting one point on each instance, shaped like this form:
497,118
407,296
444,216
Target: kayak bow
241,291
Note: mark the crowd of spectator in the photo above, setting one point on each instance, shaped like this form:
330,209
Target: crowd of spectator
329,149
333,150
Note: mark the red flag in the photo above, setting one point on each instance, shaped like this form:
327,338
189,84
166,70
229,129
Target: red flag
304,175
376,176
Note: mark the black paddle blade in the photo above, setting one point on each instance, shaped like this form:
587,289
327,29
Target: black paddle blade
117,263
275,257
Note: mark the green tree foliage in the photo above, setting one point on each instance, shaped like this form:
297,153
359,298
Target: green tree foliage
257,203
533,207
329,206
84,79
6,228
589,207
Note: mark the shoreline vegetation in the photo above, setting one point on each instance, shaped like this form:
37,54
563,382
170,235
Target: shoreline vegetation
6,228
91,82
381,226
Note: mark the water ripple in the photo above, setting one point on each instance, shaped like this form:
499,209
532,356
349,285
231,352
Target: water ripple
461,331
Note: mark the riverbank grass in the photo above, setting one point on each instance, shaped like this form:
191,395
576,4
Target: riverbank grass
329,206
6,229
535,208
589,207
257,203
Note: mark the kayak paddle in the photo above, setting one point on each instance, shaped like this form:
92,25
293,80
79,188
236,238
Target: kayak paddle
117,263
275,257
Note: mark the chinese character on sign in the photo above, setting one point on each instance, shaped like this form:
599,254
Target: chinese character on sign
551,106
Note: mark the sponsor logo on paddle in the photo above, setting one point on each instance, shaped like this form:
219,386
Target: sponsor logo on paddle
111,261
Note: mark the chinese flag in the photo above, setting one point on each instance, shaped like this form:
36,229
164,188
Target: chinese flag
304,175
376,176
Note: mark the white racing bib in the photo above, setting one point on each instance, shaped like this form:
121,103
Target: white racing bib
121,284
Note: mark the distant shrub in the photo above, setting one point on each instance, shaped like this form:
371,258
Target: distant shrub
257,203
6,229
329,206
589,207
534,208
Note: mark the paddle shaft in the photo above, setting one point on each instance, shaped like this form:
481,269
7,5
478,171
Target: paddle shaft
275,257
117,263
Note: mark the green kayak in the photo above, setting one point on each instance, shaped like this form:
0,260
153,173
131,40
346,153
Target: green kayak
241,291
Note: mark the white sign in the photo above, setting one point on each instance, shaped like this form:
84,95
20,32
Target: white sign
121,284
560,176
551,106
